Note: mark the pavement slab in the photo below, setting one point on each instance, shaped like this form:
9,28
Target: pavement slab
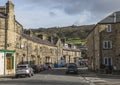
94,79
107,83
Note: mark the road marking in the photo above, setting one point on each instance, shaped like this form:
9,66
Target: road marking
94,79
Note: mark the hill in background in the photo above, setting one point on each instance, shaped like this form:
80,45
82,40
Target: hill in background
71,34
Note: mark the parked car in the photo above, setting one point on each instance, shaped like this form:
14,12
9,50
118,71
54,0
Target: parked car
35,69
24,69
40,68
45,67
57,65
71,68
49,65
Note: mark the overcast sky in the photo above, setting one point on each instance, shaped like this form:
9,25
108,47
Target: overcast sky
51,13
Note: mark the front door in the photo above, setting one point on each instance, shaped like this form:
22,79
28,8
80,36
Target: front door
9,63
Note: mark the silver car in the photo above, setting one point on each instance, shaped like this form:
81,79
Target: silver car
24,69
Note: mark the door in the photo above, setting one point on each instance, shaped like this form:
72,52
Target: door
9,63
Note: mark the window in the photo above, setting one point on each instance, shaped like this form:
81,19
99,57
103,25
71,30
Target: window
25,45
107,61
41,49
75,53
36,48
108,28
107,44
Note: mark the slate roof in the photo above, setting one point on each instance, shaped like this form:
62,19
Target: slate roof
110,18
38,40
70,49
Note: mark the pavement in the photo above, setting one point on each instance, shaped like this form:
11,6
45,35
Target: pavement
106,84
6,77
101,79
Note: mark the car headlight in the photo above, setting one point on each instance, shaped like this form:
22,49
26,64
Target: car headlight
27,71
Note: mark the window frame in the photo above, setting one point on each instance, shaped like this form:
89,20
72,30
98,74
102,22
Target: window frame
108,28
107,61
107,44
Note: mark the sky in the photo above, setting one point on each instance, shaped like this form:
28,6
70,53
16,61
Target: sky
60,13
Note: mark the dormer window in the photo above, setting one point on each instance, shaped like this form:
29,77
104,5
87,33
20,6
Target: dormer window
108,28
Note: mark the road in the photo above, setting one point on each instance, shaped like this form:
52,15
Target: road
48,77
40,82
58,77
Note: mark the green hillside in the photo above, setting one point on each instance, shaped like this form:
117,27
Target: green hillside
75,41
72,34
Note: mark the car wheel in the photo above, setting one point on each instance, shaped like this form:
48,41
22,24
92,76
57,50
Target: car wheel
67,72
16,76
32,74
76,72
29,75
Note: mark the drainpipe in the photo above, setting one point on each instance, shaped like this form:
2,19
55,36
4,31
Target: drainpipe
100,50
4,62
93,50
6,28
5,43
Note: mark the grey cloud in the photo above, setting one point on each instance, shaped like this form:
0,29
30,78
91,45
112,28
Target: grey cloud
97,8
67,6
52,14
105,6
72,7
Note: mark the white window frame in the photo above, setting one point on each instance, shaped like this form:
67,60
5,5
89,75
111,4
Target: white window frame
110,61
107,44
107,63
108,28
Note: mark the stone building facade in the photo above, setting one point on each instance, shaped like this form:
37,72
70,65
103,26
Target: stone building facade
21,48
103,43
90,47
16,47
71,54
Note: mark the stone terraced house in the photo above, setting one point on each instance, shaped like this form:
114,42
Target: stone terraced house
16,47
103,43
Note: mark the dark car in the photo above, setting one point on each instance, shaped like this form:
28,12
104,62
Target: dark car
40,68
72,68
49,65
37,68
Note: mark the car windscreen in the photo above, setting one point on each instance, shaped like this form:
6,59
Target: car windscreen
71,66
21,66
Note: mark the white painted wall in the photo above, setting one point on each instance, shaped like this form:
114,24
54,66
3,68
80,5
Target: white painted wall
1,63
